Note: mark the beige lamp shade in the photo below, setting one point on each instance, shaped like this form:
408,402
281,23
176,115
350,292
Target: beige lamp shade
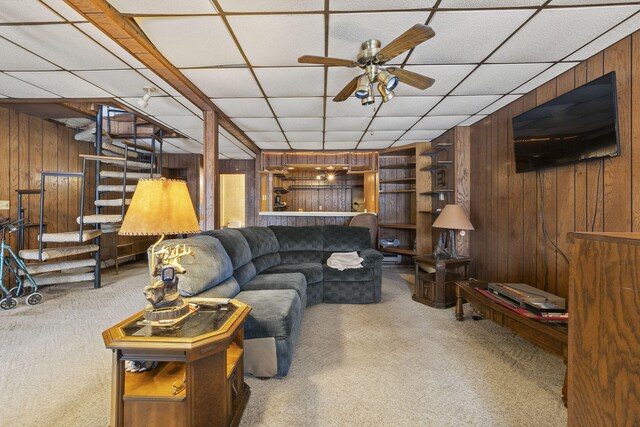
160,206
453,217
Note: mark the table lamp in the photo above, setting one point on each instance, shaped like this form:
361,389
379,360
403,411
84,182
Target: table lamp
452,218
158,207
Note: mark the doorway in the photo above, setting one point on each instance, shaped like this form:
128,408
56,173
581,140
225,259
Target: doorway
232,200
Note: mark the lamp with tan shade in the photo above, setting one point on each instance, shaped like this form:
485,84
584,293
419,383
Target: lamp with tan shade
159,207
452,218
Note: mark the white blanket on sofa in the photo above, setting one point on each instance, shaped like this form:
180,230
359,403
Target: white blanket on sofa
343,260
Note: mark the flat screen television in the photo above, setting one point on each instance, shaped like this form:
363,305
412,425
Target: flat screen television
579,125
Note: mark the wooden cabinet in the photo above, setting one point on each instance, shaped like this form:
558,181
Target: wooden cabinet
437,288
199,380
604,341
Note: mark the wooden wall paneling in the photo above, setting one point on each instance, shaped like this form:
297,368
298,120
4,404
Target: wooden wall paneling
35,167
23,167
14,173
49,163
565,190
515,208
595,168
547,218
617,170
461,177
492,161
635,132
530,207
62,164
5,159
502,188
423,203
475,199
581,216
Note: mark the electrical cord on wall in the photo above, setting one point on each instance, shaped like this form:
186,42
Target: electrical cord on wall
595,211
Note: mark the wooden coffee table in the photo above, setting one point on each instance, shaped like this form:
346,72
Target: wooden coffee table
550,336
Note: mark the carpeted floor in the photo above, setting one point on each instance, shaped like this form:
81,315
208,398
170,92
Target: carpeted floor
397,363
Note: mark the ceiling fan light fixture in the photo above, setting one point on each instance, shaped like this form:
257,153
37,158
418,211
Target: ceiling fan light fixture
385,93
364,87
388,80
368,100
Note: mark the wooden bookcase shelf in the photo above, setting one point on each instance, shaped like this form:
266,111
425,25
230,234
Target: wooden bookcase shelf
400,226
399,181
397,191
408,165
402,250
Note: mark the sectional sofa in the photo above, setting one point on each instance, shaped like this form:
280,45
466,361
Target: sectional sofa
279,271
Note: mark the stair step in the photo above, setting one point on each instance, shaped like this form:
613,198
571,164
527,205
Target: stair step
52,253
130,164
54,279
71,236
47,267
132,175
89,135
111,202
109,228
119,150
101,219
116,188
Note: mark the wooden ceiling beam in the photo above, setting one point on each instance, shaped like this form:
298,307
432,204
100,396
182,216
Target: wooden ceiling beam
128,35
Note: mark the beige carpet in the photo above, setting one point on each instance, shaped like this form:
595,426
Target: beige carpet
397,363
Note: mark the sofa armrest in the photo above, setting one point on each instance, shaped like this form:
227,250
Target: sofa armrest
370,257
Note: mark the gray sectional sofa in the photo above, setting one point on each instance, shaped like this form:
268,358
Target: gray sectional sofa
278,271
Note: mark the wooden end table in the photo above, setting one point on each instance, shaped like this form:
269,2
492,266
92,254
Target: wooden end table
438,289
199,380
552,337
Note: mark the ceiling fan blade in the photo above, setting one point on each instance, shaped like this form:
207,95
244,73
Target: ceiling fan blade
407,40
412,79
347,90
310,59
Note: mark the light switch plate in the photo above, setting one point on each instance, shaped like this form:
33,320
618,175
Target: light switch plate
4,205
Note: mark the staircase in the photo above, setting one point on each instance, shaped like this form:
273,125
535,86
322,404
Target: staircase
115,185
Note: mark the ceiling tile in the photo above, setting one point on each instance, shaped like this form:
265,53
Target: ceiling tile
339,77
27,11
339,5
340,145
257,124
347,123
478,4
184,144
498,79
65,10
189,105
15,58
266,136
297,107
179,122
408,106
196,133
271,6
164,7
273,145
123,83
374,145
587,2
624,29
392,123
306,145
15,88
473,119
269,40
352,107
224,82
243,107
348,31
537,41
64,45
101,38
439,122
62,83
158,82
161,106
467,36
382,135
304,136
291,81
505,100
308,124
544,77
194,41
446,77
422,135
342,136
461,105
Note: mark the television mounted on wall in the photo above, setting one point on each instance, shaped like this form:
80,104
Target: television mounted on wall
577,126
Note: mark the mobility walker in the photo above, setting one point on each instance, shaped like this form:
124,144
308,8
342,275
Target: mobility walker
11,263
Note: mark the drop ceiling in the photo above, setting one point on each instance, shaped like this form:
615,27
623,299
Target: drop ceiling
243,55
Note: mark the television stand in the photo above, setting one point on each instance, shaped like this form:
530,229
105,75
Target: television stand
550,336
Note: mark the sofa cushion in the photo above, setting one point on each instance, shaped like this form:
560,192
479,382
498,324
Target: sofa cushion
227,289
341,238
245,273
295,281
348,275
234,243
299,244
263,262
209,266
312,270
274,313
261,240
349,292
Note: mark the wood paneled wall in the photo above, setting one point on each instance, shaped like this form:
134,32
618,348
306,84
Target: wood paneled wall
522,220
247,167
187,167
29,145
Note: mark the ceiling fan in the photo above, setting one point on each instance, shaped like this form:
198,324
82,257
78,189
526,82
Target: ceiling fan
371,58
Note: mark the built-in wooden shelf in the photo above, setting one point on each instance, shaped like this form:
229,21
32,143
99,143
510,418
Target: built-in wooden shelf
434,192
397,191
408,165
430,212
399,181
400,226
280,190
403,250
